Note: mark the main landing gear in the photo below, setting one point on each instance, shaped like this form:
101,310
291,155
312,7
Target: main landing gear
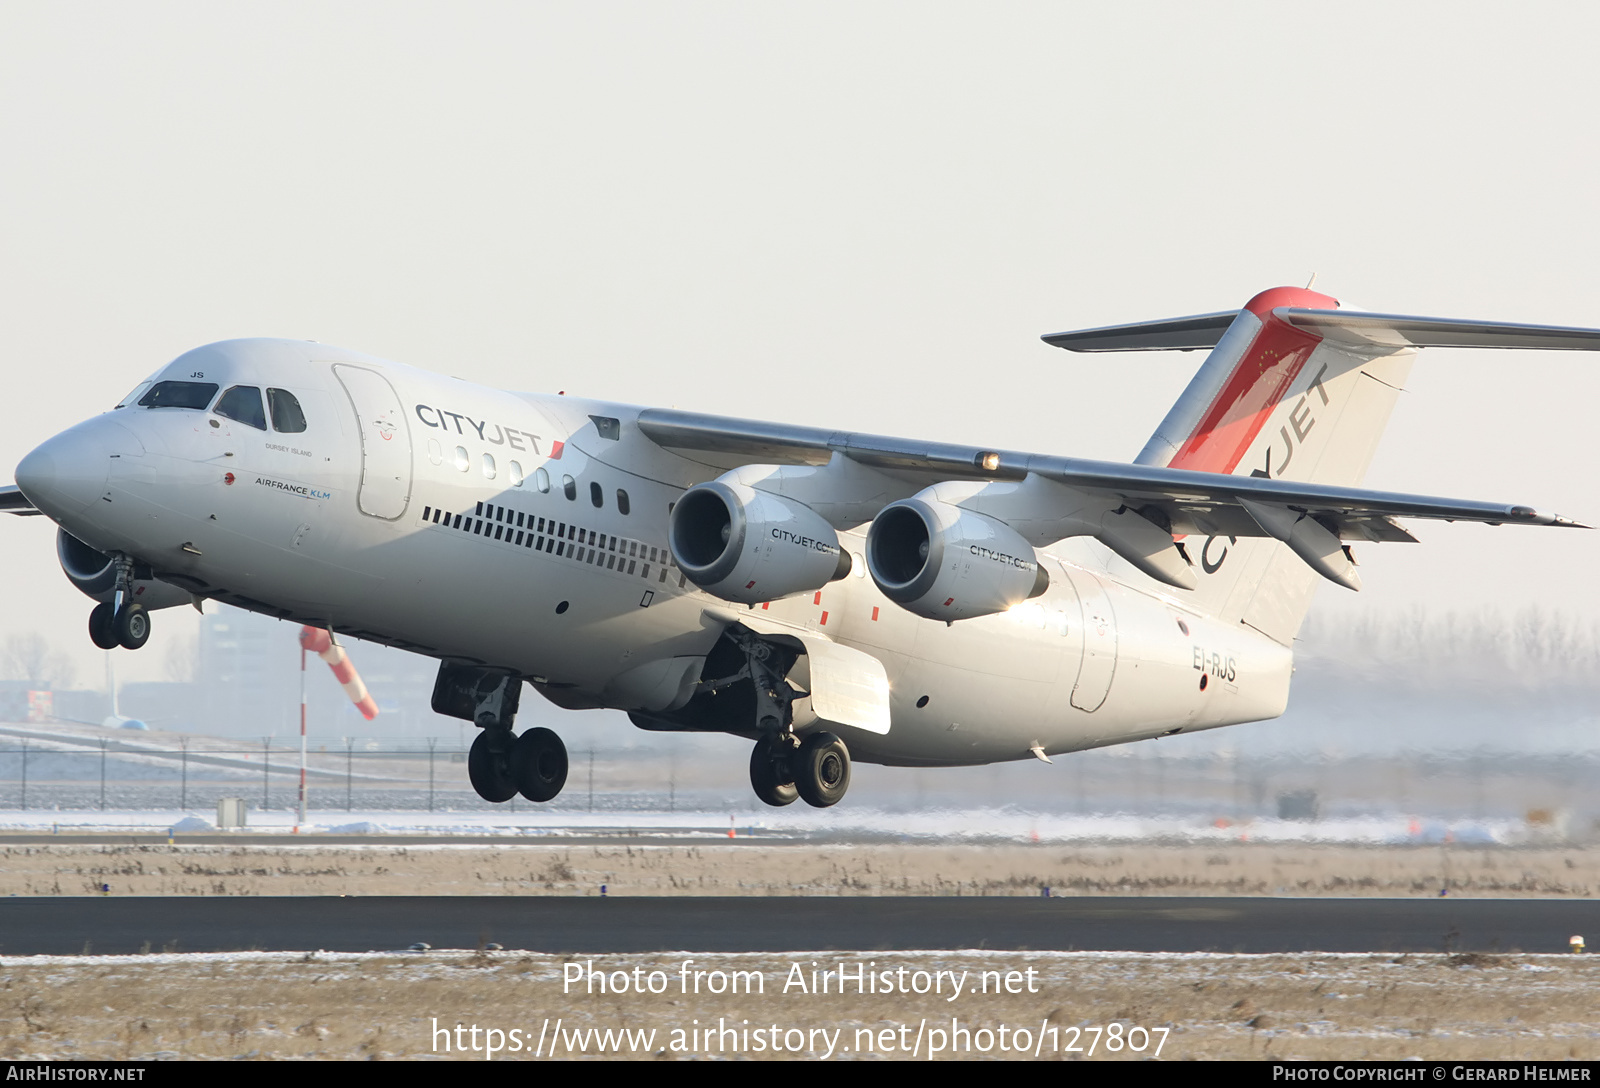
500,764
120,621
782,766
816,769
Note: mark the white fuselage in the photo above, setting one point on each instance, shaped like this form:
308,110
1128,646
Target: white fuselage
381,520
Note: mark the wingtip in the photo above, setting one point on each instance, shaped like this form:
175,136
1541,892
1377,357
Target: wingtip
1527,515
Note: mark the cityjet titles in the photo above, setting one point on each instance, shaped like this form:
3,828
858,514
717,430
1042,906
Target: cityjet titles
294,489
1001,557
810,543
490,432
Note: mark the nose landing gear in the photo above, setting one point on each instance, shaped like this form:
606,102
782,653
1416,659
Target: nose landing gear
120,621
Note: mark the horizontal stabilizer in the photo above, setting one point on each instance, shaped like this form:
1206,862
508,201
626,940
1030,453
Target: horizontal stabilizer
1365,331
1171,334
1350,329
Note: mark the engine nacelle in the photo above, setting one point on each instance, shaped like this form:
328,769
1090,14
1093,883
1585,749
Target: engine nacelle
946,563
750,546
95,576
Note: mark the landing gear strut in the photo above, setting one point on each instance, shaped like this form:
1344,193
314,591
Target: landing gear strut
120,621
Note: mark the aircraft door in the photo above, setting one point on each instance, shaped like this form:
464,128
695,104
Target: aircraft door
1099,642
385,442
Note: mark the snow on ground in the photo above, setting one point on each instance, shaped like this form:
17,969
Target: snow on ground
975,825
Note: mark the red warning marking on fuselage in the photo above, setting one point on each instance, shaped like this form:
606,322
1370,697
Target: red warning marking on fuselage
874,613
1257,384
818,598
824,619
948,601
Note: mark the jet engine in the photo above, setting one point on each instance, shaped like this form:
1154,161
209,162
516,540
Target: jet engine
750,546
95,576
946,563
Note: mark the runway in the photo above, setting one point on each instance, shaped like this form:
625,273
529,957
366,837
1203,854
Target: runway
122,926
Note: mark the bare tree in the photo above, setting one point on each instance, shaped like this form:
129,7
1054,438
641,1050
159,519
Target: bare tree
183,659
29,657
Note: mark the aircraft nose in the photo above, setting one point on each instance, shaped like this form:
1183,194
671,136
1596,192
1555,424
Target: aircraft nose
67,473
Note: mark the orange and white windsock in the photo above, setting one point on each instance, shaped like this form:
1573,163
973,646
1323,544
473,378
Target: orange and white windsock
321,643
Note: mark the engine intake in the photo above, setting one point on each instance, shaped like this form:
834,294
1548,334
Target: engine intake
749,546
946,563
95,575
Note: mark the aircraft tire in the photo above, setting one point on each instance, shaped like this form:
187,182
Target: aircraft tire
821,770
490,769
102,627
132,626
539,764
770,776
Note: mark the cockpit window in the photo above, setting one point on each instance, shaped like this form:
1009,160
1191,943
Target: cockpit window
179,395
131,397
286,414
243,403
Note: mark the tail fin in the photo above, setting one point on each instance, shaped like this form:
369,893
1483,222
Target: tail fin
1285,402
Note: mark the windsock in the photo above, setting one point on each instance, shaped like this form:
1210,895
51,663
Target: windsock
321,643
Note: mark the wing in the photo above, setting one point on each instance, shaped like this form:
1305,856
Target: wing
13,501
1313,519
1193,501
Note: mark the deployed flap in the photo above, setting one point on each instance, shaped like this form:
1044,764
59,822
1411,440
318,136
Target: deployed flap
847,686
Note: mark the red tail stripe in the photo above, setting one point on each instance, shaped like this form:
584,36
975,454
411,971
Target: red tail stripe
1264,372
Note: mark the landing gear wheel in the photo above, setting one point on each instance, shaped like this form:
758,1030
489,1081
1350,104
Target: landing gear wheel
821,769
489,767
770,775
132,626
101,627
539,764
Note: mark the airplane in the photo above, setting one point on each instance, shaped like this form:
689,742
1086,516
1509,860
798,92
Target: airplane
833,597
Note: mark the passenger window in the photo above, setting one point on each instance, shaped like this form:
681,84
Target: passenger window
597,496
463,462
243,403
179,395
287,418
435,453
515,471
541,480
488,466
622,502
569,488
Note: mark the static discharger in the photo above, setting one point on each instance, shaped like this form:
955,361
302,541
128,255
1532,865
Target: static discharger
321,643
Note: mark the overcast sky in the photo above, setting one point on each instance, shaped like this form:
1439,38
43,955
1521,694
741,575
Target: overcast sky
855,215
